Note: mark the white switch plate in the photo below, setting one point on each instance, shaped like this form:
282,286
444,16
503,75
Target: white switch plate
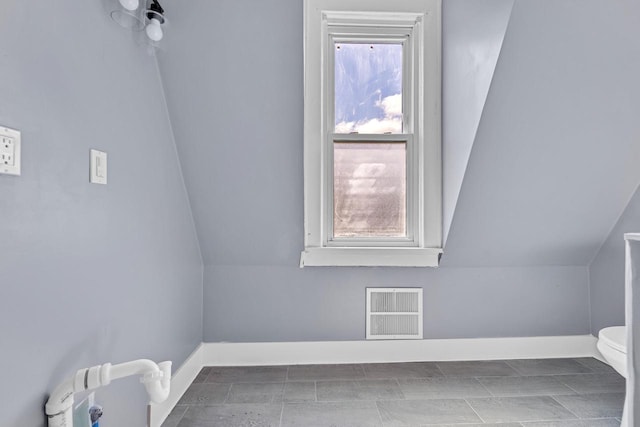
9,151
98,167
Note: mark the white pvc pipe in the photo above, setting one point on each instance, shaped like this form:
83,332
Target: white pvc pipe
60,404
155,377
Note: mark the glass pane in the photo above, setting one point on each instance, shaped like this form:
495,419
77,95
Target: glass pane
368,88
369,189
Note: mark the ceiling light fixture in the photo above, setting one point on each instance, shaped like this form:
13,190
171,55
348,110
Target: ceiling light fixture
130,4
149,17
155,19
126,14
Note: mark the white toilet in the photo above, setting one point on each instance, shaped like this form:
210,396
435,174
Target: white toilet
612,343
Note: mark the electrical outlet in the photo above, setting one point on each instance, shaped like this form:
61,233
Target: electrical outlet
9,151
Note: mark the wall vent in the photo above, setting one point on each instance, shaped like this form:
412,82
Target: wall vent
394,313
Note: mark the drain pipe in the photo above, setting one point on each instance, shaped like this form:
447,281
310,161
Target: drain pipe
155,377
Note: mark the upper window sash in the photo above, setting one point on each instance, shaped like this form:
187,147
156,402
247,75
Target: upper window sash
402,38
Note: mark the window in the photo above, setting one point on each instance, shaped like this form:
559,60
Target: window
372,162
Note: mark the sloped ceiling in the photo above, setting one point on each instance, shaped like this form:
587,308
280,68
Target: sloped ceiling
555,159
539,155
472,39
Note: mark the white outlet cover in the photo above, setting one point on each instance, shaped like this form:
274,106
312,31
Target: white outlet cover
9,151
98,167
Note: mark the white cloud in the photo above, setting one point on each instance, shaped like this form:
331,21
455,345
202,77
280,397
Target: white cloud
386,125
345,127
391,123
392,105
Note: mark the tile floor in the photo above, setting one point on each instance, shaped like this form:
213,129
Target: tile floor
511,393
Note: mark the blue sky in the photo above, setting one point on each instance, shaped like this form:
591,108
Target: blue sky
368,84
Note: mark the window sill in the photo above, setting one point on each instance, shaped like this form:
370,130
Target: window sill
370,257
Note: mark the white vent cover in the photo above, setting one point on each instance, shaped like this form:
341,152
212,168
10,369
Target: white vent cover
394,313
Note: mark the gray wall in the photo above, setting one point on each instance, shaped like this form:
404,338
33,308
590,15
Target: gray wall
88,274
606,271
525,225
286,303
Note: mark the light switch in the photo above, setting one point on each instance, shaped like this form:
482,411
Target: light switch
9,151
98,167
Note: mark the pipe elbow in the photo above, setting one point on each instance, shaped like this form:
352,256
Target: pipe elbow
158,382
61,399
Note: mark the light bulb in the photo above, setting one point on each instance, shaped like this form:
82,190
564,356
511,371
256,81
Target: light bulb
154,30
130,4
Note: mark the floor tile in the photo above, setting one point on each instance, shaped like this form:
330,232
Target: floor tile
255,393
524,386
608,422
510,409
402,370
548,367
202,375
205,394
247,374
502,393
303,391
325,372
478,425
175,416
421,412
442,388
595,365
488,368
232,416
602,405
331,414
594,383
328,391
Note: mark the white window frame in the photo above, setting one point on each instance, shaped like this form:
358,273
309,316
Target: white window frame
418,22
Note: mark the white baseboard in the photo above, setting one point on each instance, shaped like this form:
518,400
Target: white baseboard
336,352
181,379
301,353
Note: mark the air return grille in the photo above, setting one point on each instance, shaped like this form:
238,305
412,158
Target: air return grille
394,313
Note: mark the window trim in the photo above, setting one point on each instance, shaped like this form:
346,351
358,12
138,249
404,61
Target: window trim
400,33
424,17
